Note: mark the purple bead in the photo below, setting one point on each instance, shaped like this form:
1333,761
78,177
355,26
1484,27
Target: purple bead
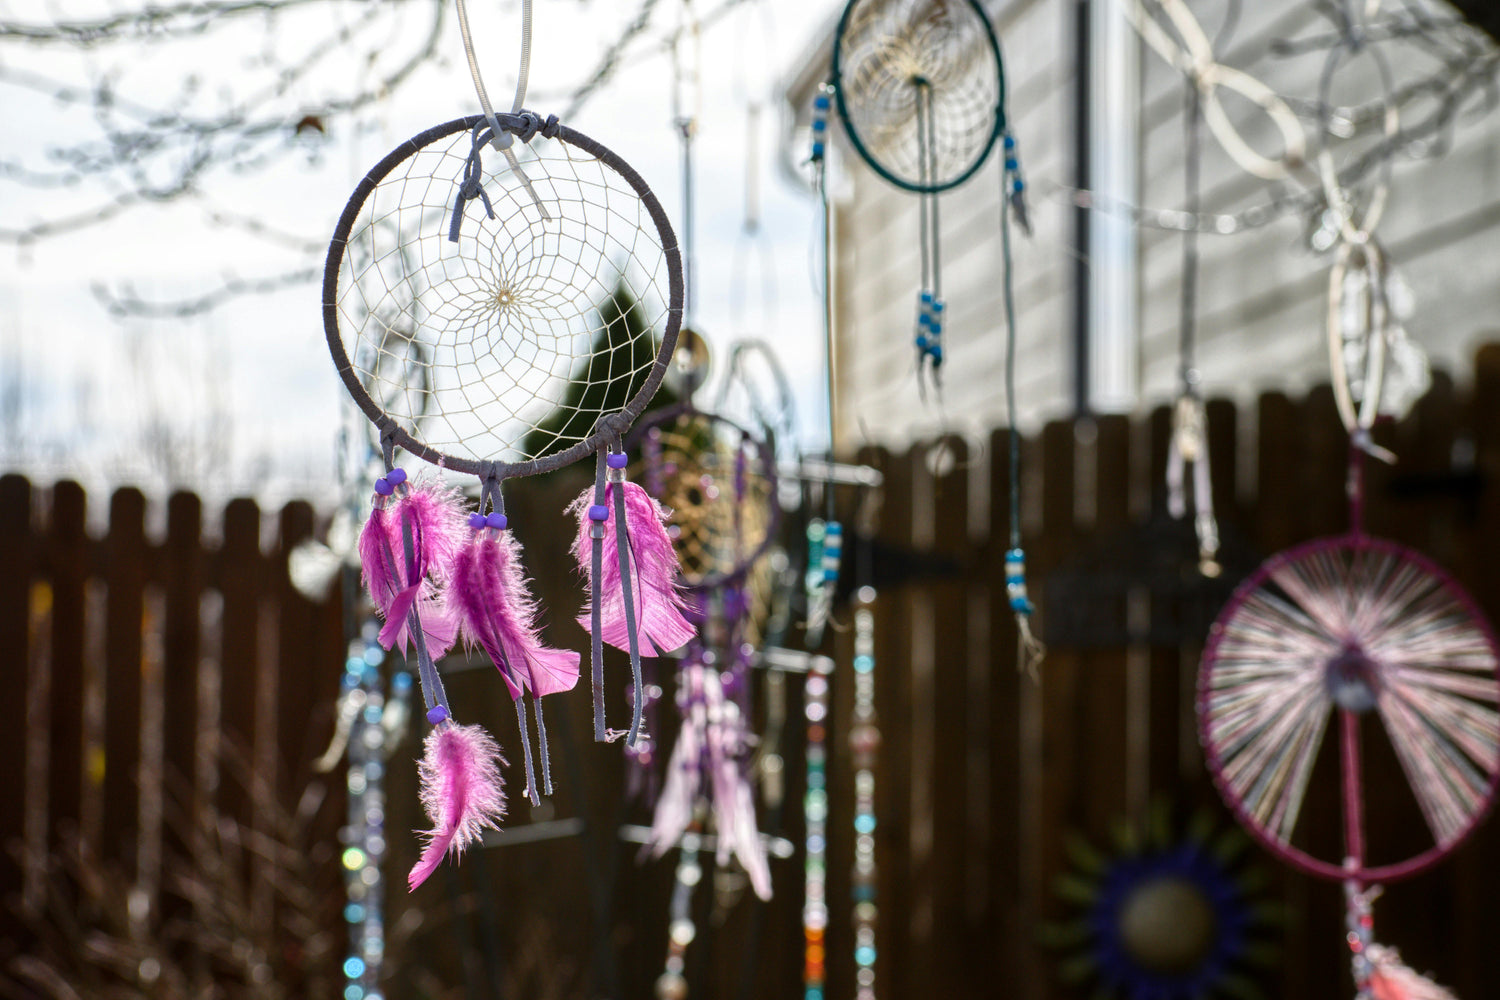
497,520
617,460
436,714
383,487
396,476
477,521
598,512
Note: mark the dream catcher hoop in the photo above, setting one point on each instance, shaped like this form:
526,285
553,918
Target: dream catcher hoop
1352,625
920,89
401,295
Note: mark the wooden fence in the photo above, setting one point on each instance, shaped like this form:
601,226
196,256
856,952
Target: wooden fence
140,666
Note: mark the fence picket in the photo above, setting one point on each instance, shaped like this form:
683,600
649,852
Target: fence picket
127,558
16,555
67,568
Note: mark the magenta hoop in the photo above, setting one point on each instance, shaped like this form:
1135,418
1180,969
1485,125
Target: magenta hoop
1437,586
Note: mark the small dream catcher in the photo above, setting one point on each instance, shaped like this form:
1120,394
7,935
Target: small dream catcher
920,88
463,307
1366,631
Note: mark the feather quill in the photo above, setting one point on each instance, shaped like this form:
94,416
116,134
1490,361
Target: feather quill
430,512
653,561
462,792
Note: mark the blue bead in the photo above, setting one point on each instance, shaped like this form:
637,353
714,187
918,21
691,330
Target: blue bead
937,355
1011,164
497,520
384,487
821,102
396,476
436,714
1021,604
476,521
1018,185
819,125
922,341
864,823
937,328
938,305
834,528
830,575
1009,141
817,150
598,512
927,298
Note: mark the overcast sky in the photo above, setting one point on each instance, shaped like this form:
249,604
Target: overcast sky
90,382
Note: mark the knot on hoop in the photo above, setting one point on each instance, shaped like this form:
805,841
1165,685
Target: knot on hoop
612,426
471,186
532,123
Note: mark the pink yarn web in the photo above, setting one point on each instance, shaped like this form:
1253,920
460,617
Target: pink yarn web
1430,659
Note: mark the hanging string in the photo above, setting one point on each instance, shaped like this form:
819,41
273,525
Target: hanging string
1189,443
929,335
1029,648
499,138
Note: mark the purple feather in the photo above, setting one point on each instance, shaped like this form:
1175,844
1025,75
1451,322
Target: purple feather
462,792
488,596
659,600
431,512
713,740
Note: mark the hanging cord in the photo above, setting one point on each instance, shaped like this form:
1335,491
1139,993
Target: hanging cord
1029,648
1189,443
499,138
686,103
930,305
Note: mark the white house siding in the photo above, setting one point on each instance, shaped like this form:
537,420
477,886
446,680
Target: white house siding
1262,293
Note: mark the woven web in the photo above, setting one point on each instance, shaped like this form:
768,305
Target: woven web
713,477
510,343
1430,667
890,51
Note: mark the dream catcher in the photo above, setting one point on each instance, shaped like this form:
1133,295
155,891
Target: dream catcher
718,481
1368,632
920,89
471,305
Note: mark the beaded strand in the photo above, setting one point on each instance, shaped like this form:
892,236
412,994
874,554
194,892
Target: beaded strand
815,812
864,744
377,724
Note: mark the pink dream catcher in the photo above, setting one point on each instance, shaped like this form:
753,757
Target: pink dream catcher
1346,628
465,307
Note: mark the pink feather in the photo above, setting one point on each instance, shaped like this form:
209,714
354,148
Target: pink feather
658,598
1393,980
433,513
488,596
462,792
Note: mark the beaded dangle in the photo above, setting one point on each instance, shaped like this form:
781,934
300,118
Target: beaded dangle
815,811
864,745
1029,648
825,546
